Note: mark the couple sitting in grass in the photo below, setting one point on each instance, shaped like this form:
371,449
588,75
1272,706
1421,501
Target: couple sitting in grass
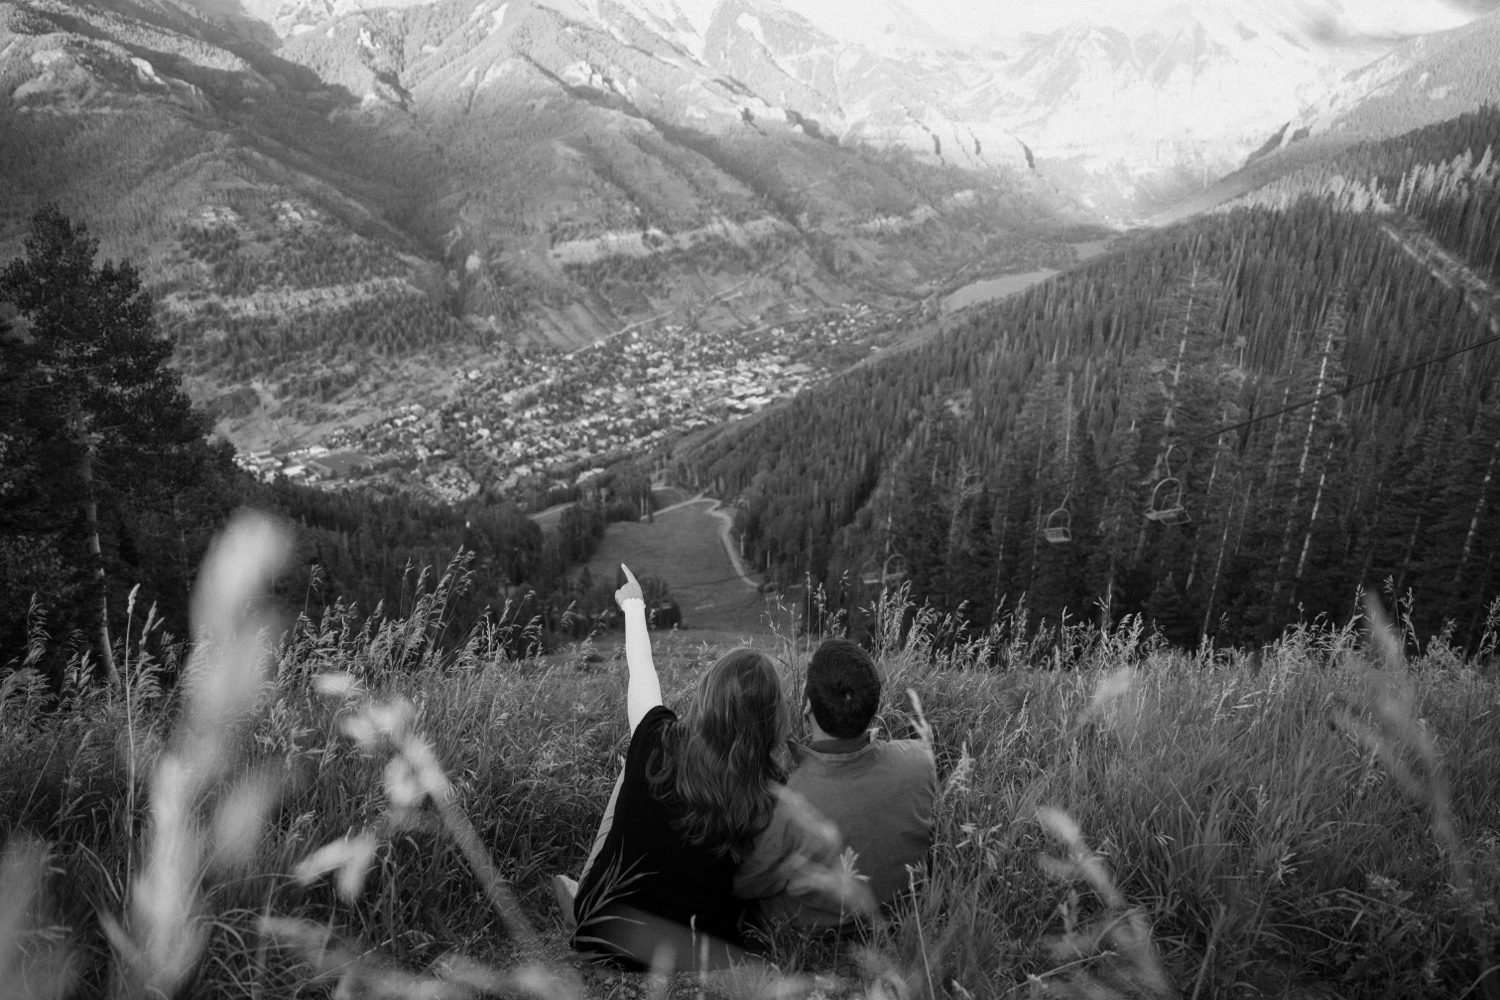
706,832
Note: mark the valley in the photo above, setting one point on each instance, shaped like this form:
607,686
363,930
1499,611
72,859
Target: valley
330,201
1122,375
549,420
472,254
557,419
409,195
1025,449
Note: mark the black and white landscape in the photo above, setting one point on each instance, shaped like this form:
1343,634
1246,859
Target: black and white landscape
1125,374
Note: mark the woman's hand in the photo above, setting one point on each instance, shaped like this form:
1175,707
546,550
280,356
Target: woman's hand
631,589
643,690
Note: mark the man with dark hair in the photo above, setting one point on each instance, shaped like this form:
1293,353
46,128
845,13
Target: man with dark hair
875,795
843,690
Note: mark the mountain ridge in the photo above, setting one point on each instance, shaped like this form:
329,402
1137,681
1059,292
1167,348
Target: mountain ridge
489,176
1119,112
502,175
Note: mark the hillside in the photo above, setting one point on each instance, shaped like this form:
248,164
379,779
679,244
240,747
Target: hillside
336,226
1265,824
1152,381
348,210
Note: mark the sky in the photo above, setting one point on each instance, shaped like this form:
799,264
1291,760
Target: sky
1354,19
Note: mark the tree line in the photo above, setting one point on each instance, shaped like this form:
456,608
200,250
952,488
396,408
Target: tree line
242,345
299,259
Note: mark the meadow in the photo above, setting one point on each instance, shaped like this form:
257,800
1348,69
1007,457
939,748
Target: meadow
347,807
683,546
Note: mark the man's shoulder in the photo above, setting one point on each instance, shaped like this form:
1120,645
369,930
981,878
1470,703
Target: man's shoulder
914,754
909,768
903,763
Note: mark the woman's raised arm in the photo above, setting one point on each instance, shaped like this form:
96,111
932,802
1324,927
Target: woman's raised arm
644,690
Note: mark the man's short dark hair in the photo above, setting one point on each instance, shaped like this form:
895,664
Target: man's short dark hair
843,687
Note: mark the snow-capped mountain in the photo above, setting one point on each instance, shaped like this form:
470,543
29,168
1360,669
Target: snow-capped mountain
1116,109
1187,97
539,171
1124,109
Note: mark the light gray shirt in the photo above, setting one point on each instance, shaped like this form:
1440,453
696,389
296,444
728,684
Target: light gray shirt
878,795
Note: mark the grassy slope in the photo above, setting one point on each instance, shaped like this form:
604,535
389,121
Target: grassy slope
1242,813
683,546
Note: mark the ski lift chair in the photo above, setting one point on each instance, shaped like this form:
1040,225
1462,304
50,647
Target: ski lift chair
1166,503
1059,527
888,574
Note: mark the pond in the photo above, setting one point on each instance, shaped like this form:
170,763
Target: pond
1009,284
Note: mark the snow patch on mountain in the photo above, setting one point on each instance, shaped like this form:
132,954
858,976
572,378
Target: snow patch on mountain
751,23
1136,101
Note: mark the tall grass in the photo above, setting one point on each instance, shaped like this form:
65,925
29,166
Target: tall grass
340,805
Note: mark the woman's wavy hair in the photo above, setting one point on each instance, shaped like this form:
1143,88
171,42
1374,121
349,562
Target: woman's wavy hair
719,760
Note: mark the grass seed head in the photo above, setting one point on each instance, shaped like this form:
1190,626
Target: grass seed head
340,684
166,932
229,662
31,967
240,819
350,857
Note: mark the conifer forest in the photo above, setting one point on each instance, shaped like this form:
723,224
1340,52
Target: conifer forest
1229,426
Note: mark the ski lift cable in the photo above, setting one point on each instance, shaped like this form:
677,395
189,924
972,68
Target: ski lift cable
1236,426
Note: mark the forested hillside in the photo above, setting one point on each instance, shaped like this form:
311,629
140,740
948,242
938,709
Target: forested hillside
352,548
111,490
1154,405
1443,176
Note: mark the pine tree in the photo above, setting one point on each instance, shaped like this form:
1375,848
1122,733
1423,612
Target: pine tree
100,402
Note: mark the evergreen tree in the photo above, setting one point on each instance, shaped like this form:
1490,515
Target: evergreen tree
102,419
1219,322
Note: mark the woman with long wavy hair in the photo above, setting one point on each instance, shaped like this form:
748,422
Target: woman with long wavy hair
695,792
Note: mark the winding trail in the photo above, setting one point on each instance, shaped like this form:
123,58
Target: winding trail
548,519
716,509
681,503
727,525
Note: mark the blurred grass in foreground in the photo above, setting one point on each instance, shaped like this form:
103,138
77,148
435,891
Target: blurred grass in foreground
341,806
